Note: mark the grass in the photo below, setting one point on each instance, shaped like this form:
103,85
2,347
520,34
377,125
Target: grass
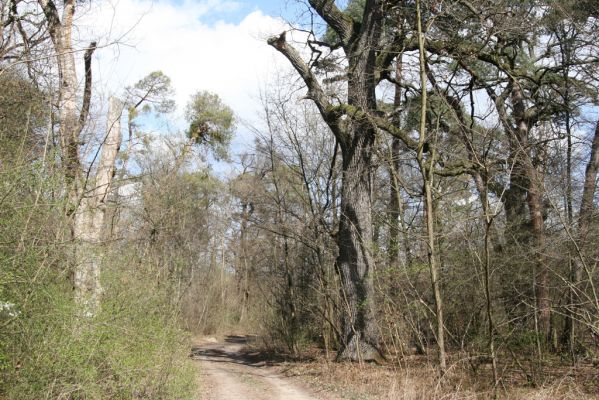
415,378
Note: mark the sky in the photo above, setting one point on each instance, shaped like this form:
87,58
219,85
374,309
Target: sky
214,45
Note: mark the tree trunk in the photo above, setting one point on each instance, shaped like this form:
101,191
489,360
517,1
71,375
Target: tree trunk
356,263
355,135
360,336
532,182
70,119
427,177
89,220
590,179
585,217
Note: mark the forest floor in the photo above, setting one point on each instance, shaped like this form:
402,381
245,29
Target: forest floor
229,369
237,367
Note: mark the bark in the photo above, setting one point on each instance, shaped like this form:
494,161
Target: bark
355,261
514,201
585,217
532,183
87,209
89,219
587,207
360,341
87,91
60,30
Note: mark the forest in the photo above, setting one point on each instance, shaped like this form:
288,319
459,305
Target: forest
412,214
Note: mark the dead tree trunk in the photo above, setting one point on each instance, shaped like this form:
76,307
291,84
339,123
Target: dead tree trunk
87,212
71,120
89,219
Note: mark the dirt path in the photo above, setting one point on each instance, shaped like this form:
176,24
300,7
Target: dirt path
229,372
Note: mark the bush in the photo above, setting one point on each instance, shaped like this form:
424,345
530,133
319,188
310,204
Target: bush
133,349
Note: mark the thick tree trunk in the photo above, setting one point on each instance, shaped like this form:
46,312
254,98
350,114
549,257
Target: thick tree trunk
71,120
531,181
514,201
87,211
355,262
89,220
355,135
590,179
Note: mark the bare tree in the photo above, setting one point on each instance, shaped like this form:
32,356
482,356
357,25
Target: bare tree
90,218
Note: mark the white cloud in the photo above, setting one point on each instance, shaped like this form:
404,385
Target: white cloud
140,36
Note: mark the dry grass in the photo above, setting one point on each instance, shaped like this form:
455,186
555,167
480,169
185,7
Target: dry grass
416,379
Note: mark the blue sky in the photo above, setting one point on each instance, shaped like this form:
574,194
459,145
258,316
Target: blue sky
268,7
235,11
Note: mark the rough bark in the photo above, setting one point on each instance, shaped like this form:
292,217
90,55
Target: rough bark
590,179
355,262
360,341
532,183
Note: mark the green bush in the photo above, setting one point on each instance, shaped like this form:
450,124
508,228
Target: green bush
133,349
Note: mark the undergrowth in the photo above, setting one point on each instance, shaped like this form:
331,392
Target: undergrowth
133,349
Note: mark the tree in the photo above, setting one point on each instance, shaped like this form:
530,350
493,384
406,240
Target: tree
211,122
427,169
356,137
90,218
72,119
72,116
152,93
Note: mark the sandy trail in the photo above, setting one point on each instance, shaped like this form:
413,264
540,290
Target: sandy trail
228,372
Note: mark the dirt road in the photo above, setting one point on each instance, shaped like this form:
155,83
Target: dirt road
228,371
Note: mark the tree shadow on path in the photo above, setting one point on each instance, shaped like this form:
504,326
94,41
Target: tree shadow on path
237,349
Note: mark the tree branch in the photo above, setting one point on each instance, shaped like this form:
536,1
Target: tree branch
87,91
52,18
335,18
315,91
384,124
